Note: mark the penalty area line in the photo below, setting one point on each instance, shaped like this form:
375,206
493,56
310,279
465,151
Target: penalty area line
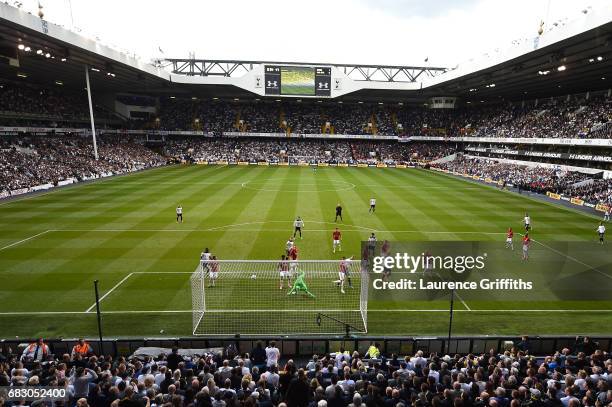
25,240
108,292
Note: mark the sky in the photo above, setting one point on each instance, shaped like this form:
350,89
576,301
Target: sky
386,32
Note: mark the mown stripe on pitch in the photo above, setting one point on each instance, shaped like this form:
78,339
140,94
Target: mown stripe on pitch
223,203
328,206
514,206
168,212
76,287
386,203
75,263
187,252
357,203
555,224
282,204
397,204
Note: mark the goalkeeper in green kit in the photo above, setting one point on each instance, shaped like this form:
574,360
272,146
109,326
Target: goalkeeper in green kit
300,285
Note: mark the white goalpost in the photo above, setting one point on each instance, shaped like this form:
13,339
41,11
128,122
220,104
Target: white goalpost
246,298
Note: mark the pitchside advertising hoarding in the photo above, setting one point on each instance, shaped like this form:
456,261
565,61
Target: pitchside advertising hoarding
542,154
492,274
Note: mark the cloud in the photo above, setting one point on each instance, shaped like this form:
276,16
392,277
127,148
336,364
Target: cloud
394,32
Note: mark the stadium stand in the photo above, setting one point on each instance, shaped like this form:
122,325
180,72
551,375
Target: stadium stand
240,149
30,161
575,117
536,178
188,112
599,191
580,375
29,105
559,118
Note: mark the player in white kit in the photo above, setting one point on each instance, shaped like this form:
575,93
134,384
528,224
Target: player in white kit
204,260
297,227
601,229
288,246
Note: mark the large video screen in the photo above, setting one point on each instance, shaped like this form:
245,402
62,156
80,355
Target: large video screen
298,80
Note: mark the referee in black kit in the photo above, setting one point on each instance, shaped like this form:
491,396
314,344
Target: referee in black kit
338,212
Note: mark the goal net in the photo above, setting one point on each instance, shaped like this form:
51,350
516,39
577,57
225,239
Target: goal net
246,298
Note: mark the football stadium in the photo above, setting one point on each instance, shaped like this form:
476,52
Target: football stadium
428,228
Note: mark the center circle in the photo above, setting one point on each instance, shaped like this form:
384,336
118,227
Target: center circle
324,186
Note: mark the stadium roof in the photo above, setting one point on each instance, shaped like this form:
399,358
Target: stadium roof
585,55
576,64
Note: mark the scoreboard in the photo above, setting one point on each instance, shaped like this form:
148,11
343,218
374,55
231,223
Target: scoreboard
297,80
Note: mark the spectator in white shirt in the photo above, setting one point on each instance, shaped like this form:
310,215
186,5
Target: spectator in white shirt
418,360
342,357
272,355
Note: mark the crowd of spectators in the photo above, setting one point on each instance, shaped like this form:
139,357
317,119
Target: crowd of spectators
29,161
576,116
580,376
305,150
135,100
22,105
598,191
26,162
391,153
259,117
187,114
271,150
537,179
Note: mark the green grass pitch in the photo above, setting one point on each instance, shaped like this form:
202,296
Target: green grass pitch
52,246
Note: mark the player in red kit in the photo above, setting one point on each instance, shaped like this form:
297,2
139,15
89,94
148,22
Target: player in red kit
337,240
509,236
293,252
293,256
283,270
343,273
526,243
